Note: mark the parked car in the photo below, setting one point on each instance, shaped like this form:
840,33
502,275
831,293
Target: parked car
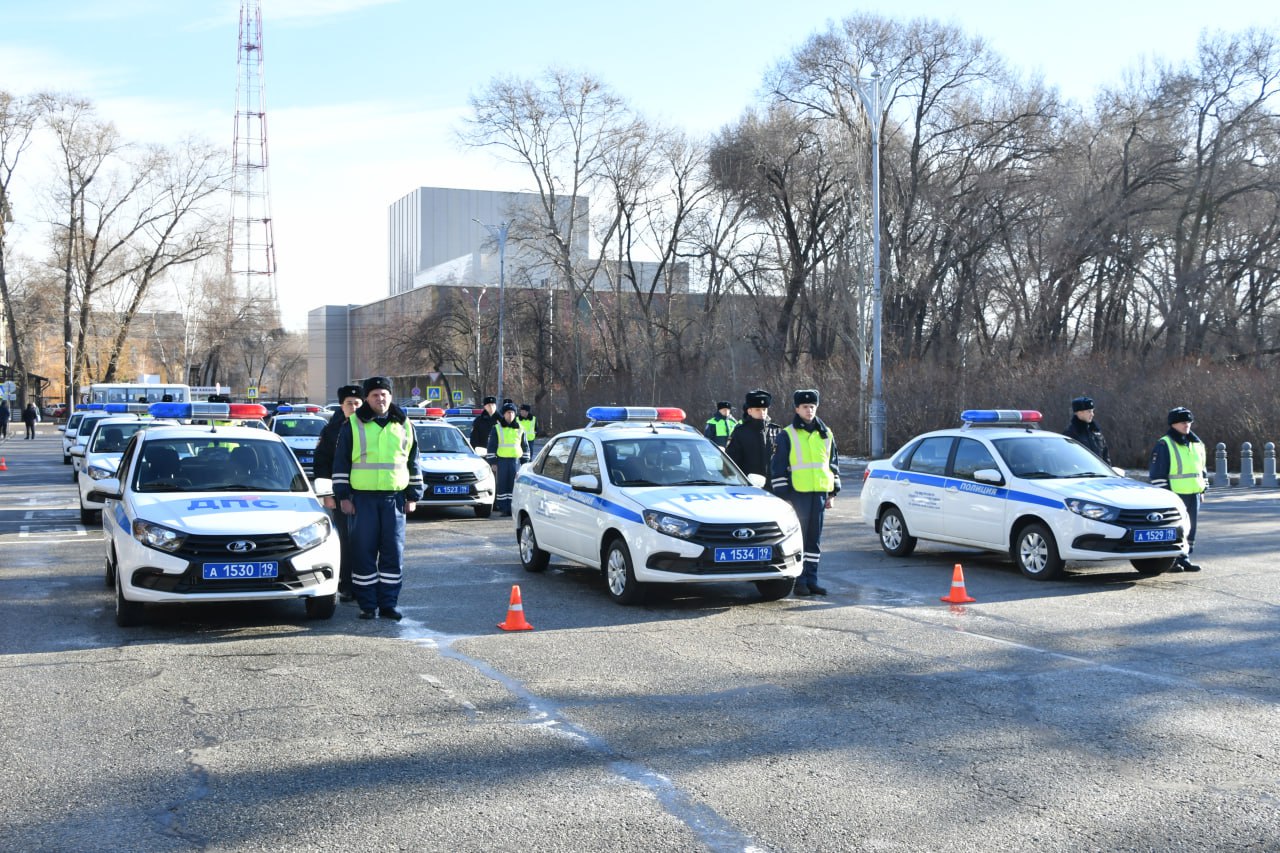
453,473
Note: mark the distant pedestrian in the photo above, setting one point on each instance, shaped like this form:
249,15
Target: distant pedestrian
507,450
720,425
1085,430
350,397
753,440
483,423
31,417
4,419
528,422
1178,464
806,473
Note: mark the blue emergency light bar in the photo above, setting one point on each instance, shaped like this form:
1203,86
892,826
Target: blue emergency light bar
459,412
128,408
1000,416
301,409
420,412
96,407
613,414
82,407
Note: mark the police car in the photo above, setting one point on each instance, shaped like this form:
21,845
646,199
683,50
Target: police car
453,473
999,483
100,457
300,427
214,514
639,497
77,436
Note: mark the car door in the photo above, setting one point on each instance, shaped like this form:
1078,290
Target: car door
548,499
974,511
581,509
922,498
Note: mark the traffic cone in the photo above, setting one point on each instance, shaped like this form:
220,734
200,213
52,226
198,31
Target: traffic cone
515,614
958,594
3,467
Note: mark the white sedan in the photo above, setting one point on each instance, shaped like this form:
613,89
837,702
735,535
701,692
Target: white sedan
99,458
215,514
639,497
1001,484
453,472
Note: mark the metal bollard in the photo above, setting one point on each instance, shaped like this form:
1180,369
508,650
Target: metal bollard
1246,464
1269,465
1221,479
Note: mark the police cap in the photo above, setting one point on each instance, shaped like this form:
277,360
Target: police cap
345,391
1082,404
757,399
1180,414
376,383
805,395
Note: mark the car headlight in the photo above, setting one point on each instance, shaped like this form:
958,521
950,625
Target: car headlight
671,525
790,525
97,472
311,535
1095,511
158,537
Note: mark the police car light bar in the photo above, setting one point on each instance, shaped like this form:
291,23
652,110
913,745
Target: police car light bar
128,408
82,407
457,412
610,414
420,412
96,407
248,411
1000,416
187,411
302,408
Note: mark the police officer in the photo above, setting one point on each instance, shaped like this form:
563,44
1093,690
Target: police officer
507,450
377,484
806,473
527,422
349,398
1083,429
483,423
753,440
720,425
1178,464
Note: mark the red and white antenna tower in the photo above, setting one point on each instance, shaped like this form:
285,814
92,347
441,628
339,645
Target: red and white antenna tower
252,255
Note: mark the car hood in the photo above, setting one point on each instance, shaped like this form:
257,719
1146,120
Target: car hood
230,514
1114,491
452,463
714,503
301,442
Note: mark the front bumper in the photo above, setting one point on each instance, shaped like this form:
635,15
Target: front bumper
667,559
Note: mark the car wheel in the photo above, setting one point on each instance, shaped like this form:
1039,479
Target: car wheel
484,510
533,558
1154,565
619,577
321,606
110,574
66,460
128,613
1036,553
89,516
894,538
775,589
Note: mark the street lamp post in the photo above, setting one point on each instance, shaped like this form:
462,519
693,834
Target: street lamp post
499,233
873,93
71,377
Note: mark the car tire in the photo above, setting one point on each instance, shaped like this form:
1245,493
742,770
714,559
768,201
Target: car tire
129,614
1154,565
619,576
533,558
894,537
321,606
484,510
1035,552
109,576
772,590
66,460
89,516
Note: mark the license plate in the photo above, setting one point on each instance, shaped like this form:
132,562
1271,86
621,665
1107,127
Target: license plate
1160,534
450,490
755,554
304,459
239,571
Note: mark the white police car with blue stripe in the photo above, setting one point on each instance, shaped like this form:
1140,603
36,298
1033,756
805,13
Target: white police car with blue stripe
1001,484
453,472
214,514
640,497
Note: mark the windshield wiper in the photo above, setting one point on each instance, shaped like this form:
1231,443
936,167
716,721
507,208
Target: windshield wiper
701,483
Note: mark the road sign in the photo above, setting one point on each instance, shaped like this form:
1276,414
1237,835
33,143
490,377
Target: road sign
252,392
416,393
457,396
435,392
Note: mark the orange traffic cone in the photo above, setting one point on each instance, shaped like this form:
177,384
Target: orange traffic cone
515,614
3,467
958,594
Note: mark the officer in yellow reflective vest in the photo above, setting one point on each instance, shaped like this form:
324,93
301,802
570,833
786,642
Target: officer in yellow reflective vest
1178,464
806,473
527,422
720,425
508,449
377,482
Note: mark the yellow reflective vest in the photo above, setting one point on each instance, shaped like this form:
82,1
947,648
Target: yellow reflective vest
508,441
810,460
380,456
529,425
1186,466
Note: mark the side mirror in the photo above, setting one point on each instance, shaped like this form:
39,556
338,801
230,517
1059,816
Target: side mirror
757,480
585,483
479,451
1119,471
99,493
77,450
988,475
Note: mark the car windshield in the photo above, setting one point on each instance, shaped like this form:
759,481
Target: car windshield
112,438
668,460
298,426
440,438
209,462
1049,457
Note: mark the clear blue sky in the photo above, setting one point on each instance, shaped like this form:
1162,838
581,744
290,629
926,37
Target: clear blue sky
363,96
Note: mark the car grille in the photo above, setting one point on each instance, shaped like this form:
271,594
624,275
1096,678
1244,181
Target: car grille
713,535
269,547
1138,517
192,581
458,479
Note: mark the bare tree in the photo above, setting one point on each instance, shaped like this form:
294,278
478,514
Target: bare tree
18,118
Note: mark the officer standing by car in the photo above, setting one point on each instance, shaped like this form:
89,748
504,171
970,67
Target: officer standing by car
806,473
753,440
377,484
528,422
483,424
349,399
508,449
1085,430
1178,464
720,425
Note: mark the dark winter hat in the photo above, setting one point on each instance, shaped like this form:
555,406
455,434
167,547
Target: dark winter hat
488,400
723,404
508,407
757,399
345,391
524,407
1178,415
1082,404
806,395
374,383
